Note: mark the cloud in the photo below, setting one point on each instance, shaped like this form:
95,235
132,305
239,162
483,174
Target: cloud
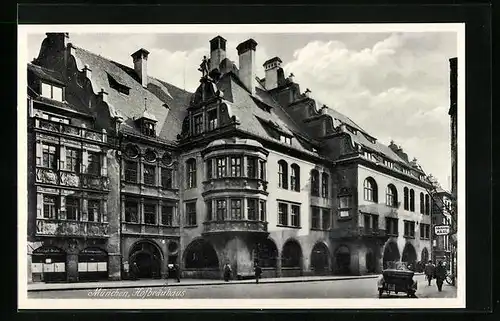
395,89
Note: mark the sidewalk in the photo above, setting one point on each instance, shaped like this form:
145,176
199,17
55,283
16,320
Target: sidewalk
184,282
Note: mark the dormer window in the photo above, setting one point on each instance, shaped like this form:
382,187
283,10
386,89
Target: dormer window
148,128
118,84
197,124
388,163
52,92
212,119
286,139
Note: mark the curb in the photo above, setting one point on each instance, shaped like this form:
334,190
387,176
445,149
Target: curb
111,286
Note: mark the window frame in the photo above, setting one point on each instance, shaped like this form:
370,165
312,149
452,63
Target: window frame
253,210
391,196
370,190
220,209
72,205
191,219
130,170
282,214
167,175
128,213
73,159
347,208
220,167
294,216
51,86
316,217
325,181
198,125
150,214
96,213
295,178
51,207
50,156
191,173
212,122
236,163
236,211
282,174
151,176
406,199
315,182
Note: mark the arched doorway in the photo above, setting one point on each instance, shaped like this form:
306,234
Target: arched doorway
320,259
409,256
145,260
49,264
391,254
291,259
200,254
370,261
343,260
266,254
92,264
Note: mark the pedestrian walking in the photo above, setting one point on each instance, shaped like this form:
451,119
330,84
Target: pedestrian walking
227,272
135,271
177,274
429,271
440,275
258,272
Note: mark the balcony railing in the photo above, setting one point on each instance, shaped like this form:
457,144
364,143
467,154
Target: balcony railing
354,232
71,179
48,227
71,130
234,226
242,183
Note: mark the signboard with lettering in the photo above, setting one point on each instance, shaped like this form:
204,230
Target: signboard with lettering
442,229
37,267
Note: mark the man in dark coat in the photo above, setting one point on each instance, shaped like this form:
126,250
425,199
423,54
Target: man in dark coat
177,272
227,272
440,274
258,272
429,271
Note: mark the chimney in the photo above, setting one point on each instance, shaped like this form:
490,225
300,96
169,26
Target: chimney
140,58
246,52
217,52
271,67
58,40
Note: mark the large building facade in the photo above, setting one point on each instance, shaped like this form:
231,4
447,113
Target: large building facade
129,173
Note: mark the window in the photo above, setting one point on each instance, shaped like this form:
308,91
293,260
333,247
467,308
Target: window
94,210
148,128
149,174
221,209
295,215
314,183
422,207
94,163
191,214
370,222
425,231
235,166
212,119
191,173
72,208
73,160
236,209
282,174
167,215
406,203
326,219
52,92
282,214
50,206
370,190
198,124
391,226
130,171
49,156
149,214
262,210
409,229
324,185
295,178
221,167
209,209
167,178
131,212
252,167
252,209
345,202
315,219
412,200
262,169
391,196
286,139
427,204
209,168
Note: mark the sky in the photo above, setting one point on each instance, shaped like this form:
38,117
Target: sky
395,85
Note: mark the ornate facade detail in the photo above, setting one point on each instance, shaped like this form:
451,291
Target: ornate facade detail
235,226
46,227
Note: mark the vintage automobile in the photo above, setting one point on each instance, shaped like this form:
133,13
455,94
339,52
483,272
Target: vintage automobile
397,278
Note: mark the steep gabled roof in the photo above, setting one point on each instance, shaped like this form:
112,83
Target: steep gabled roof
156,97
253,117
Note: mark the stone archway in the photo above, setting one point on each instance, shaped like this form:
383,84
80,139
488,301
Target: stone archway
145,259
266,254
391,255
291,259
200,254
409,256
343,260
320,259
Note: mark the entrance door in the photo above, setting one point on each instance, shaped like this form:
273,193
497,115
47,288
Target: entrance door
145,260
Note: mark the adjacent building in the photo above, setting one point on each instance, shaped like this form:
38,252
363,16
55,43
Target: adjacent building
242,171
